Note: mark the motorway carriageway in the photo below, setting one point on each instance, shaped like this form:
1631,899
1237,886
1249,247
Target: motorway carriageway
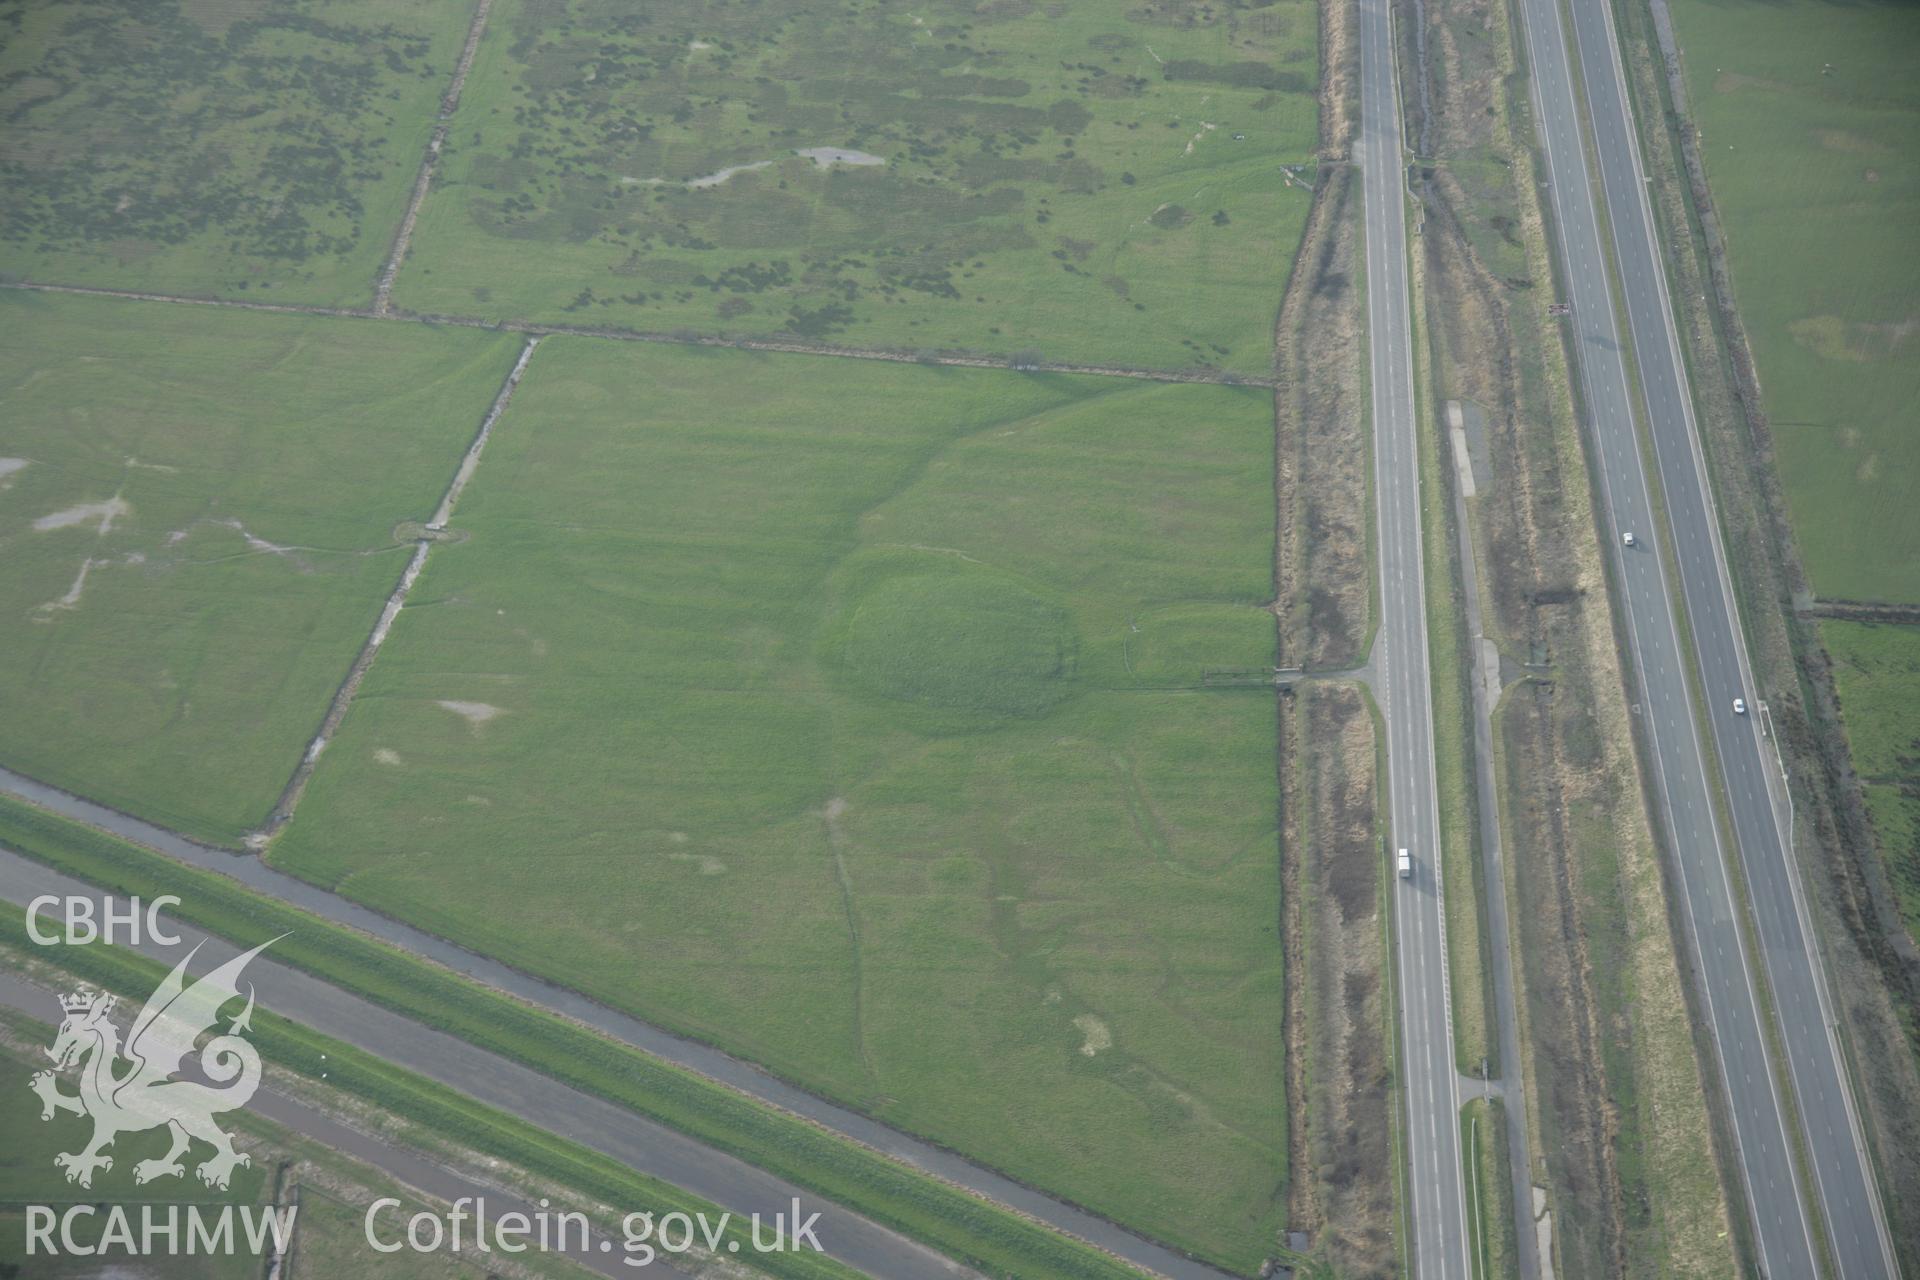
1439,1233
1784,1228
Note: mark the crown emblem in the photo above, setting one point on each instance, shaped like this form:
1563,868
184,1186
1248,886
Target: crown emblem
145,1095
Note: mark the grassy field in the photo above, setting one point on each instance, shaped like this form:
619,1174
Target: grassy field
197,516
216,146
1100,183
842,736
1877,671
328,1239
1810,122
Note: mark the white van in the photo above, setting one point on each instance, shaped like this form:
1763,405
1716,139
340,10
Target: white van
1406,865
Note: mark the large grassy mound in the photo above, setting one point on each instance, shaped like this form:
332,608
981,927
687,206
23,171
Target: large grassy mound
968,642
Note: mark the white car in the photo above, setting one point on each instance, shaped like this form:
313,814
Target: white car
1406,865
1626,539
1739,706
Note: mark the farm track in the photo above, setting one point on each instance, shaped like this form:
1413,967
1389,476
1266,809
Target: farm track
383,293
431,533
1207,377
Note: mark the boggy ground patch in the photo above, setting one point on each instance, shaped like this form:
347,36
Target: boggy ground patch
1092,181
216,148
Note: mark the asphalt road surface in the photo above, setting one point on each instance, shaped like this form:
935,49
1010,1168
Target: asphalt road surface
1784,1229
1438,1209
1750,769
415,1171
494,1081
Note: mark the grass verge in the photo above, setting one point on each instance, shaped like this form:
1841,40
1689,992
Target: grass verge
1348,1171
1489,1187
1474,1045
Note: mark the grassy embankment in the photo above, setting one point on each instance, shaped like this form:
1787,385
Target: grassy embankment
1340,1012
1346,1200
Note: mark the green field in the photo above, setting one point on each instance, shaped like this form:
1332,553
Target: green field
197,530
1098,183
1810,120
848,716
1877,671
216,146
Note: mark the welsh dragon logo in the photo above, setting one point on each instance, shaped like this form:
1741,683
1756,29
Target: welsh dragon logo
142,1094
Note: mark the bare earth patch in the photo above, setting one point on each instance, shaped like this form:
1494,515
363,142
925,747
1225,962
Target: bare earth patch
105,512
475,714
1095,1033
71,600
